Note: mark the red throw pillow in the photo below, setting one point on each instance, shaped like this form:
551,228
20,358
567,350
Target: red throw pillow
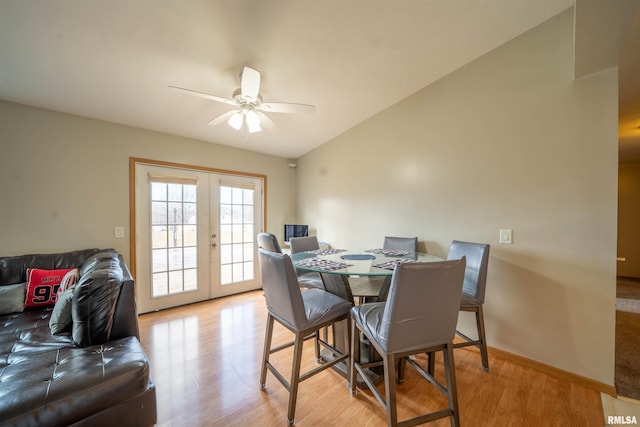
42,285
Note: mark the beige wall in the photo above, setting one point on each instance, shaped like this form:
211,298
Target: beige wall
628,224
64,180
508,141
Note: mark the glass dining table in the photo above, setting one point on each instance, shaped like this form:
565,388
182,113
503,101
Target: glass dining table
360,274
355,267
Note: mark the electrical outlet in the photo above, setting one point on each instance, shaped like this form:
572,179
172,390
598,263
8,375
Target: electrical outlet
506,236
119,233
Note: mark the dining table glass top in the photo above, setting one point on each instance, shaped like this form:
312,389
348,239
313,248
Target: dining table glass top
370,262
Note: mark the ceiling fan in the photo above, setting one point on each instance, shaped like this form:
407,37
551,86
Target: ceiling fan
249,115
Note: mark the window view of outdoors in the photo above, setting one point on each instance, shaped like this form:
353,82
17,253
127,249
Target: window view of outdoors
236,235
173,238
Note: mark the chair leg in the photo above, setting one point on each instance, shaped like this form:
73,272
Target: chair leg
401,367
390,362
295,378
452,391
431,362
347,346
482,338
355,356
316,342
266,351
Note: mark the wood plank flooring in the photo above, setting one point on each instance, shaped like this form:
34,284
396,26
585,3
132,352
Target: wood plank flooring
205,362
627,375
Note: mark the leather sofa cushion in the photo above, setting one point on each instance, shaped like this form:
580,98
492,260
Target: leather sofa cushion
13,269
95,298
28,332
64,385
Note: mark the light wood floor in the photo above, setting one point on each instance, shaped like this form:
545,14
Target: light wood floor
205,362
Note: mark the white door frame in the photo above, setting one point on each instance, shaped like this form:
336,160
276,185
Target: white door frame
262,179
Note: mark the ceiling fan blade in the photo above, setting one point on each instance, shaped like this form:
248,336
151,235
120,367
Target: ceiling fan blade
286,107
204,95
222,118
267,122
250,84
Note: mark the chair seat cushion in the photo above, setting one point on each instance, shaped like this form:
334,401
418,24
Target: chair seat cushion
321,306
369,317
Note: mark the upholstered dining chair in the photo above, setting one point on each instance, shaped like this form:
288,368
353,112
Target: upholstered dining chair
419,316
307,279
269,242
303,244
401,243
473,291
302,313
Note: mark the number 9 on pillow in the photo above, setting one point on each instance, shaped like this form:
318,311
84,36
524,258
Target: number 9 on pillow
43,285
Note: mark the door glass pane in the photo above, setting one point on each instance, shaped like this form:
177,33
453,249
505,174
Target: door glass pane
225,233
191,279
174,240
236,234
160,284
158,213
158,191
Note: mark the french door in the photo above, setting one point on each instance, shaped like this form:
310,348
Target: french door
195,235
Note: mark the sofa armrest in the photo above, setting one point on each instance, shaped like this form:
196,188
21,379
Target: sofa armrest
125,317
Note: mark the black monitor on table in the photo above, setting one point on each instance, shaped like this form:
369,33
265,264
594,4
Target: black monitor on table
295,230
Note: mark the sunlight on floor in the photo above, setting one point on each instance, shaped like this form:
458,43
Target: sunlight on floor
620,411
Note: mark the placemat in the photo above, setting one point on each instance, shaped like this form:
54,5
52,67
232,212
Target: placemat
390,265
328,251
390,252
321,264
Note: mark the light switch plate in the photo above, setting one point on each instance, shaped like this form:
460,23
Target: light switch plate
506,236
119,233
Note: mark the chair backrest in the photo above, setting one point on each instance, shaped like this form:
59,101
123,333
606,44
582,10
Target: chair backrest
269,242
281,288
303,244
475,276
335,284
401,243
423,305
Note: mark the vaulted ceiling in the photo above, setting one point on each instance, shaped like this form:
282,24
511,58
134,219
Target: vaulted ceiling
114,59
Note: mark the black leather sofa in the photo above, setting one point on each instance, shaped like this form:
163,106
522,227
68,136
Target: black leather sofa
94,374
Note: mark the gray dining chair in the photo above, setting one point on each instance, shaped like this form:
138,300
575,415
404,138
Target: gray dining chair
303,244
401,243
473,291
419,316
302,313
307,279
269,242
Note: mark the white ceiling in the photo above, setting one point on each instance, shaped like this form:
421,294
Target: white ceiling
113,59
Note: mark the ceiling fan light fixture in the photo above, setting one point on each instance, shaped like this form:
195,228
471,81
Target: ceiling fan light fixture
253,119
250,113
235,121
254,128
